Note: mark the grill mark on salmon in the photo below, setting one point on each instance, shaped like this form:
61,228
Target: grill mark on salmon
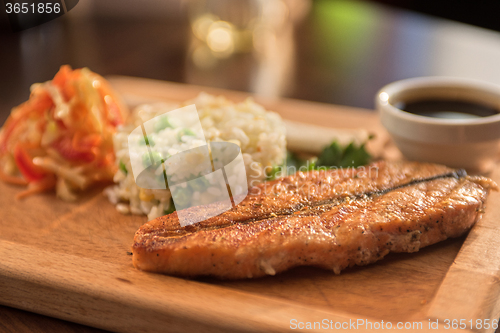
334,201
290,222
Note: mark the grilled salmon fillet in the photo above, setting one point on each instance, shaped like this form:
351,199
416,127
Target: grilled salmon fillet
331,219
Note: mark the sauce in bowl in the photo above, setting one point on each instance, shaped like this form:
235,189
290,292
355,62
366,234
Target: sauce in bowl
444,120
452,109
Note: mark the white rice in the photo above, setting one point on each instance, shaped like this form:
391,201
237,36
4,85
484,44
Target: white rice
259,133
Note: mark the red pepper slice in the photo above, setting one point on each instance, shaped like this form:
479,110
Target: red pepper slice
24,163
64,147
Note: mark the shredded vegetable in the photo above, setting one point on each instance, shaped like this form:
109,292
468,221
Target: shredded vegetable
62,137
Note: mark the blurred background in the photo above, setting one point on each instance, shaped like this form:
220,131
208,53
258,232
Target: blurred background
332,51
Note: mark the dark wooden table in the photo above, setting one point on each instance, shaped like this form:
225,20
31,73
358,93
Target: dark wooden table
339,52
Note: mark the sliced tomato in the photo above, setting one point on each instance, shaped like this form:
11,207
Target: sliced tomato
24,163
64,147
37,104
62,76
65,80
83,142
40,102
114,115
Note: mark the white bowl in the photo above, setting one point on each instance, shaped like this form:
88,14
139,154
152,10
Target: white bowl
472,144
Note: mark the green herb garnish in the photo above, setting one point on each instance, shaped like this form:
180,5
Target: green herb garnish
171,208
199,184
185,132
123,167
161,123
343,157
332,156
275,172
151,159
148,141
183,196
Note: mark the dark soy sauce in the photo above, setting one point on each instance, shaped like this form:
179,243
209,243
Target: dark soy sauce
439,108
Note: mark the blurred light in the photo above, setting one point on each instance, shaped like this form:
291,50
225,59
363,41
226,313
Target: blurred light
108,99
96,84
349,26
220,38
274,13
202,24
203,57
384,97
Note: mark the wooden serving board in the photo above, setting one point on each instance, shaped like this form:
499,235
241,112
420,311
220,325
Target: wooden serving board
70,261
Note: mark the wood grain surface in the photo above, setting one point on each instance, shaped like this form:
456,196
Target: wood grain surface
71,261
15,321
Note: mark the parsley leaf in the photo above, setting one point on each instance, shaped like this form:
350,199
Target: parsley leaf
171,208
350,156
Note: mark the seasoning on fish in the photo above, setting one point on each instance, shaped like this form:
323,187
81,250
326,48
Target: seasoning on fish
331,219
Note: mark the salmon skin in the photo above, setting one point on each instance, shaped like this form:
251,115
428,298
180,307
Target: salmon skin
330,219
